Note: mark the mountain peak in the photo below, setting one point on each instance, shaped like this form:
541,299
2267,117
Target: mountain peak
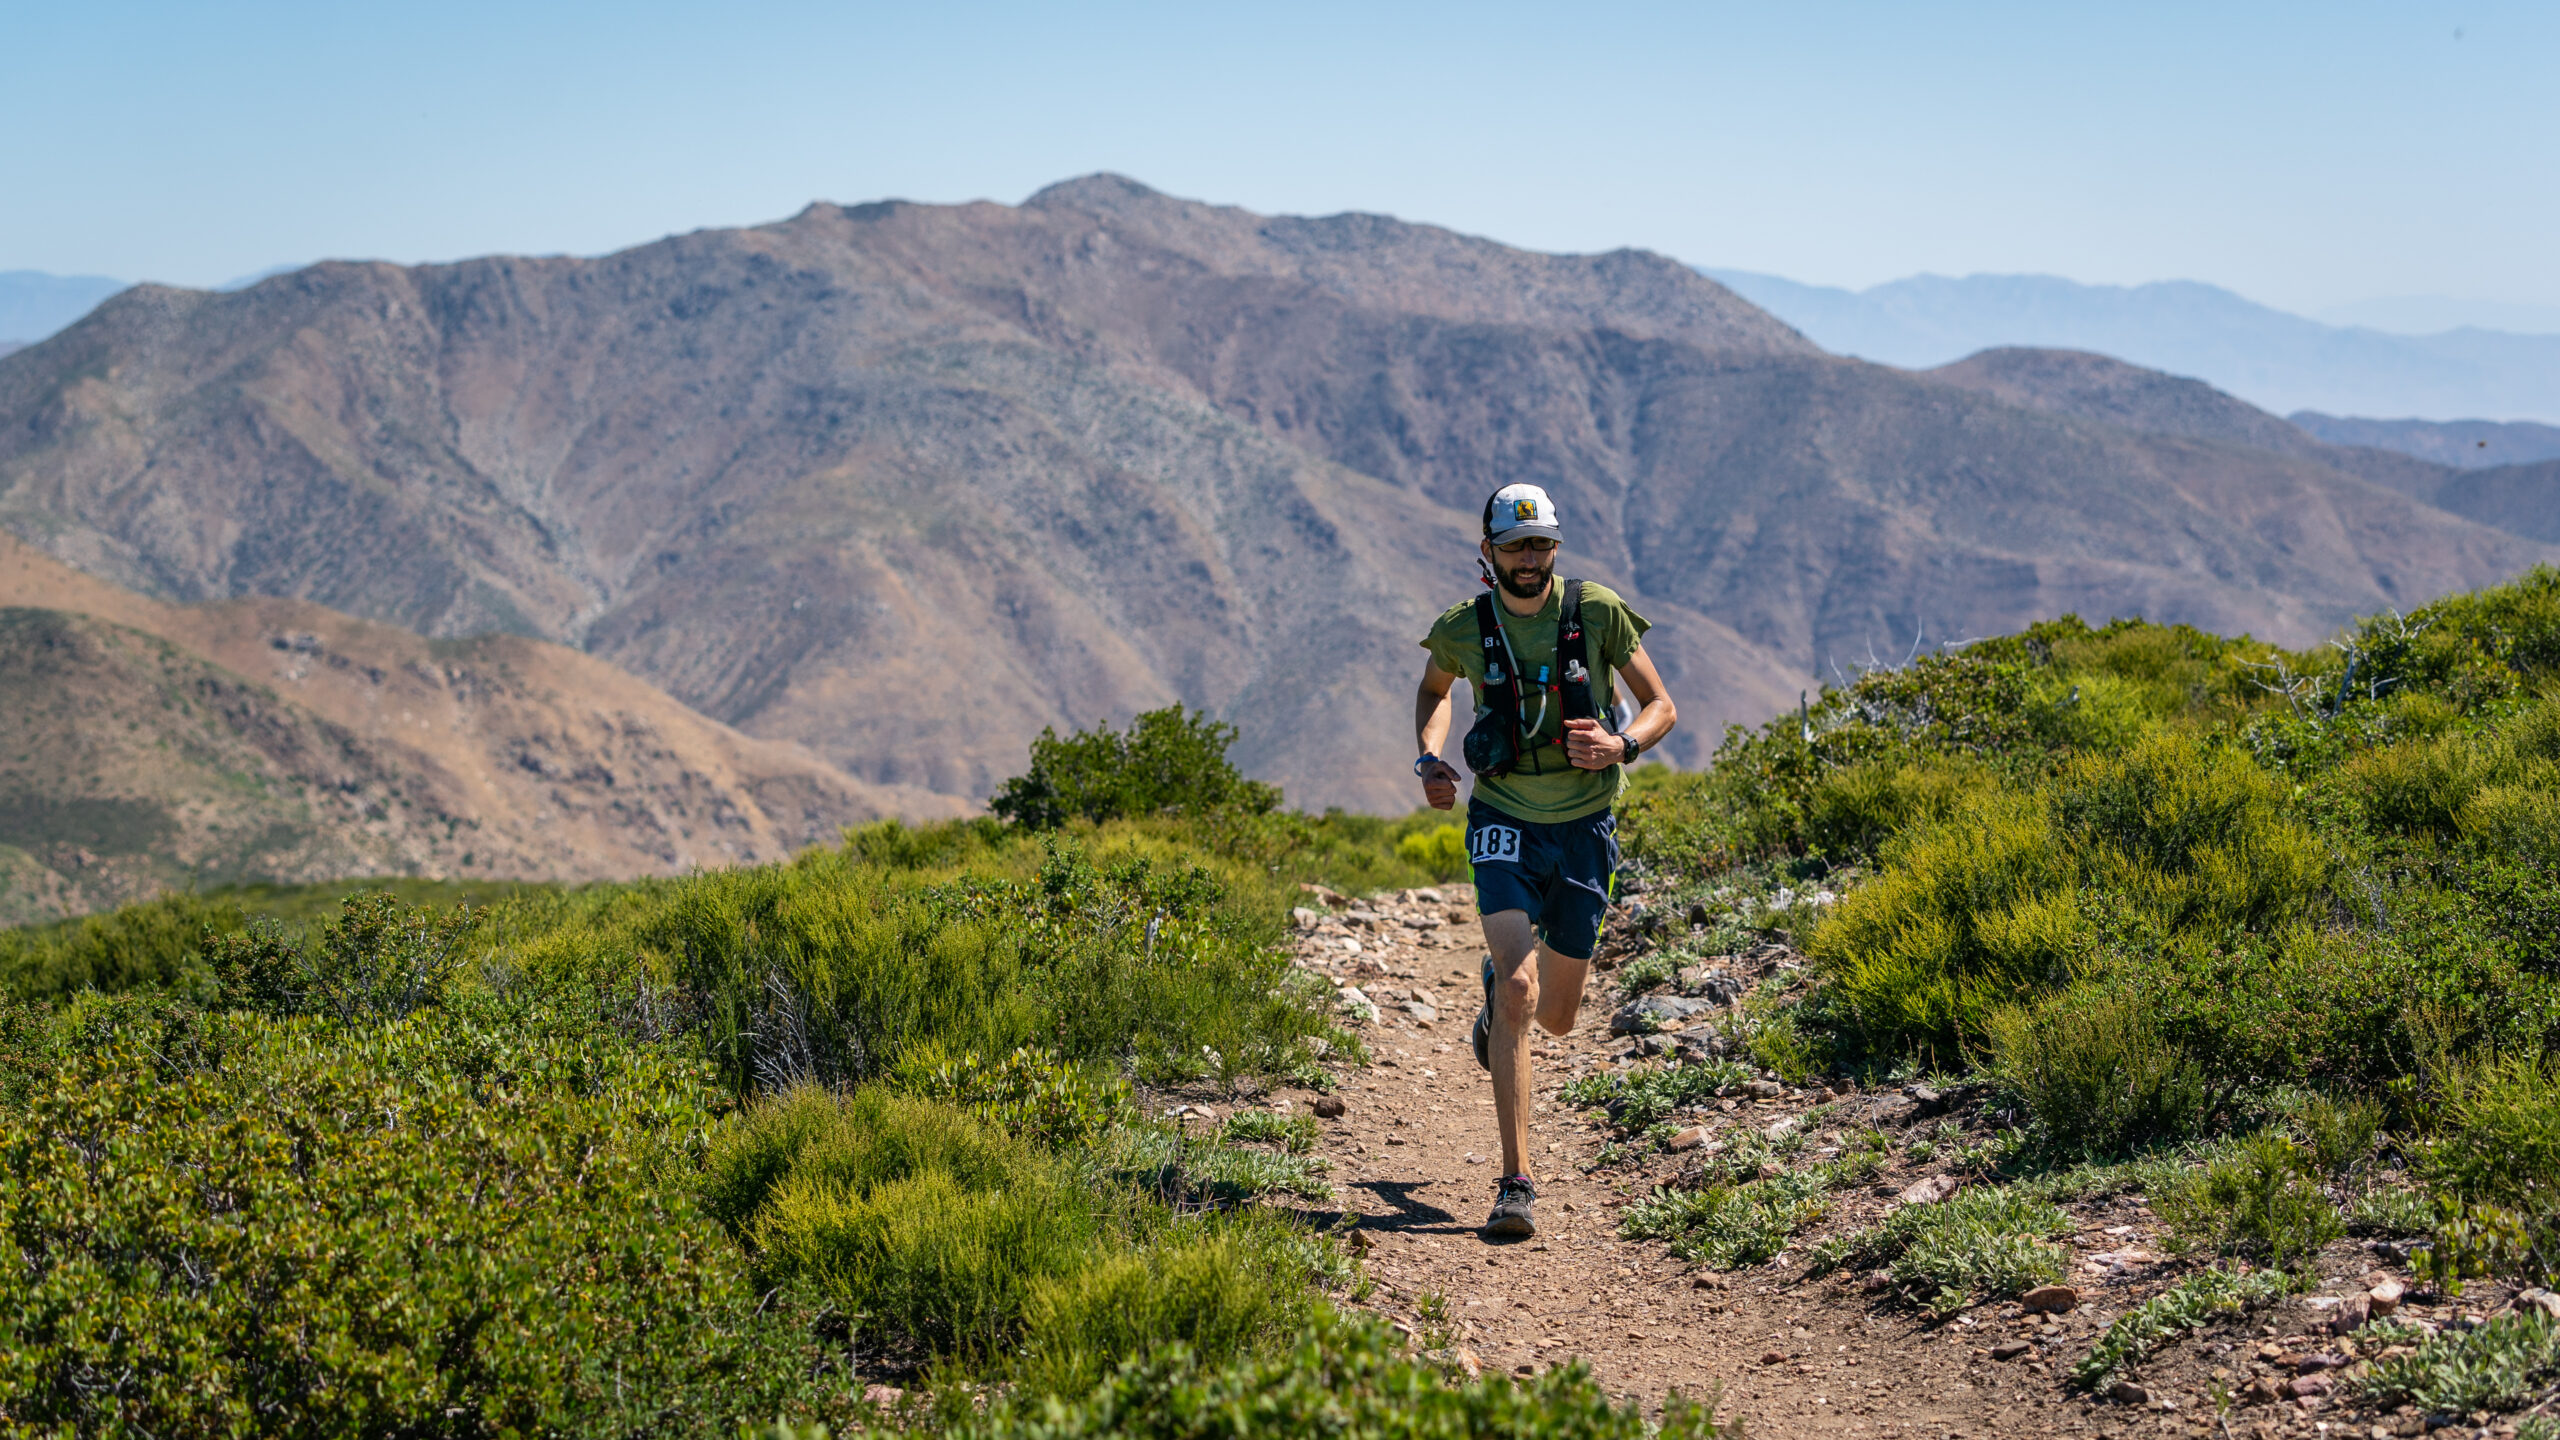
1101,193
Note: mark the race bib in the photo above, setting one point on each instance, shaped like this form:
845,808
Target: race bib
1493,842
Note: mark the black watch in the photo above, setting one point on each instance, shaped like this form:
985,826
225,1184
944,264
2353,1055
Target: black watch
1635,747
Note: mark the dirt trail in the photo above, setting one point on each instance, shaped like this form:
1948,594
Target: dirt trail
1416,1154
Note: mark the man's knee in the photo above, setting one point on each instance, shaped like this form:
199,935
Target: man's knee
1516,994
1511,936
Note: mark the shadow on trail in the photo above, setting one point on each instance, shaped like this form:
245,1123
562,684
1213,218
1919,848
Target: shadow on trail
1410,1215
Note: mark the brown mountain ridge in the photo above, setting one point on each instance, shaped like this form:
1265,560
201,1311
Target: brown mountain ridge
907,482
153,746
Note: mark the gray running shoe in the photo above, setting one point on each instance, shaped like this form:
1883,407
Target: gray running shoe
1482,1037
1513,1201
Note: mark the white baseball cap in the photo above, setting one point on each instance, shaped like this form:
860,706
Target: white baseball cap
1517,512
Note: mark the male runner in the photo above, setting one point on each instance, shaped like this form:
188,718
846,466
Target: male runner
1542,837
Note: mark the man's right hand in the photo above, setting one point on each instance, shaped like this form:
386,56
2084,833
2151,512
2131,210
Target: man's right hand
1440,784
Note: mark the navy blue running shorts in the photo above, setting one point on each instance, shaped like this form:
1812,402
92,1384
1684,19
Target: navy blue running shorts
1559,873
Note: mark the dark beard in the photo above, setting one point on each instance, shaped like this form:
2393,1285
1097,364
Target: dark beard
1518,581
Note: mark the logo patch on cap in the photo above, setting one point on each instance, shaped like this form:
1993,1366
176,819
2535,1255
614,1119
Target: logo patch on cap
1524,510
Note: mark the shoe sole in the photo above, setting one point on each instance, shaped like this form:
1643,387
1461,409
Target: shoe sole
1510,1225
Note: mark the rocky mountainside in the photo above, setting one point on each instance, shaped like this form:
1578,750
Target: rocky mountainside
2520,498
2107,390
2524,499
907,483
152,745
2464,444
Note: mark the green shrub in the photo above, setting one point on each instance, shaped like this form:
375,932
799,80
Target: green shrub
158,944
1185,1170
1217,1295
235,1225
1995,905
2262,1199
1852,811
833,969
151,945
1970,914
1029,1092
2340,1133
2497,784
1441,850
910,1212
2190,836
1740,1219
2497,1134
378,959
1350,1378
2494,1165
2098,1073
1167,760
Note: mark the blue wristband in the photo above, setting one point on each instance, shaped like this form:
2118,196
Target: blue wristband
1425,758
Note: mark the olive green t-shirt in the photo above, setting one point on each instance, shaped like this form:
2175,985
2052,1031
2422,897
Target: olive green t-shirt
1545,786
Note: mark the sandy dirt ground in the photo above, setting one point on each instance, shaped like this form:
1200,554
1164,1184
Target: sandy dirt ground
1415,1156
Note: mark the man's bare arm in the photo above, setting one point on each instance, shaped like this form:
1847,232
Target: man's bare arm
1431,731
1591,747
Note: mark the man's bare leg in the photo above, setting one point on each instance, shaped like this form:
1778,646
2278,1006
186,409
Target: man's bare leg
1551,991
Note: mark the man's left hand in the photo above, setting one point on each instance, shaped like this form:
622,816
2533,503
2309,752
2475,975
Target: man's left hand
1591,748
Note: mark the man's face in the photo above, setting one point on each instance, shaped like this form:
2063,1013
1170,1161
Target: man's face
1524,571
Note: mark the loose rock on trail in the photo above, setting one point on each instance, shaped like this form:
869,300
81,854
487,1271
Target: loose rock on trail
1411,1138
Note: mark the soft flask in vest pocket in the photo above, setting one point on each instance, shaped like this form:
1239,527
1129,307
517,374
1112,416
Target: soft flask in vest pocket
1489,747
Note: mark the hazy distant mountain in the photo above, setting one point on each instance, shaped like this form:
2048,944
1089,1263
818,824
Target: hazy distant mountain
2435,314
908,482
2273,360
34,304
2468,444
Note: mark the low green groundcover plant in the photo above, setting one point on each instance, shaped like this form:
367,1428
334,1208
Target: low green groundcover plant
1984,1243
2191,1304
2498,1366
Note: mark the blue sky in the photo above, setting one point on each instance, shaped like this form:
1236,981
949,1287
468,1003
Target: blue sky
2305,155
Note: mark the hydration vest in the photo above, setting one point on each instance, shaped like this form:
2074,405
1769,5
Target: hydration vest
1496,745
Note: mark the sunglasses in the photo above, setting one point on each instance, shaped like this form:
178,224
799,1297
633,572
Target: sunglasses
1538,544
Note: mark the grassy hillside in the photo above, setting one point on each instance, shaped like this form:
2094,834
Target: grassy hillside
2267,937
